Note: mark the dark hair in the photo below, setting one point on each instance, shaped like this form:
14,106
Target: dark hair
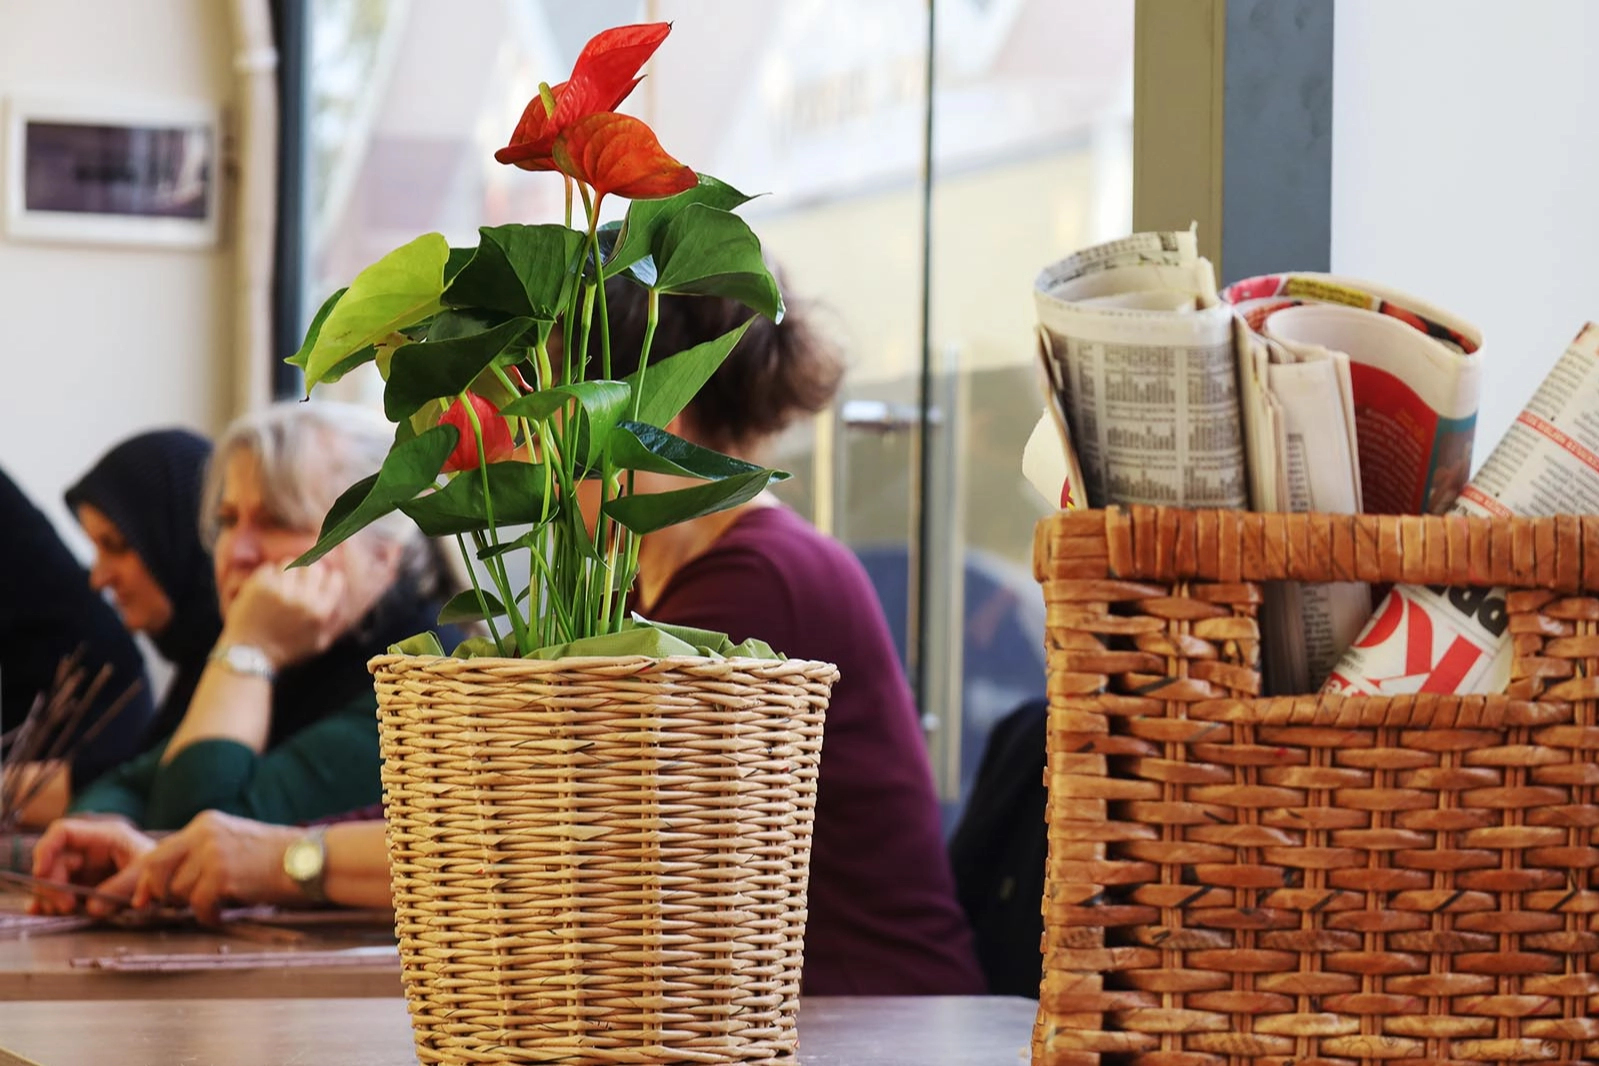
776,373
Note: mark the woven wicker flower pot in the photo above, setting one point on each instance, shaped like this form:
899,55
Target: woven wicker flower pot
601,860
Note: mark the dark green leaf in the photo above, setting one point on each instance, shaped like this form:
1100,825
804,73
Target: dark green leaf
604,403
706,251
349,363
410,467
399,290
657,510
671,383
517,490
455,323
647,218
458,258
533,538
637,446
520,270
437,368
299,357
465,607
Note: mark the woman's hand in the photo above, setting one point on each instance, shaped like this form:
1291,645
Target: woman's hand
84,851
291,615
214,860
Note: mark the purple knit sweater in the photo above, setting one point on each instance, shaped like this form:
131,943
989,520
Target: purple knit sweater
883,915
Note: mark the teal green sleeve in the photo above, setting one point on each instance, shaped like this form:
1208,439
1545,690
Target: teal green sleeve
325,769
123,790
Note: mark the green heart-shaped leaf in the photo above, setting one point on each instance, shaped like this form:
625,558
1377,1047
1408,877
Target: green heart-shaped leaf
604,404
636,234
465,607
399,290
410,467
656,510
516,488
520,270
637,446
705,251
669,385
315,329
436,368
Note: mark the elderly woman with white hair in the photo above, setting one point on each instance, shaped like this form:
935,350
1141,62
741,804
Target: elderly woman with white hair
281,727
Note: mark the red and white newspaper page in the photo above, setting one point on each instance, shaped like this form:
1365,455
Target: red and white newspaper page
1425,639
1415,371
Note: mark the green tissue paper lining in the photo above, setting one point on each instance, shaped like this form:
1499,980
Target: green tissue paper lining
638,636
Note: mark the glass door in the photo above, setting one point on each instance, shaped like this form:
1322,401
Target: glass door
911,212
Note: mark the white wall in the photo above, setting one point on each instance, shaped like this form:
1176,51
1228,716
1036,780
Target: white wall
97,343
1464,170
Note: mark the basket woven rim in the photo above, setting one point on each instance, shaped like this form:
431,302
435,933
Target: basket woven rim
579,662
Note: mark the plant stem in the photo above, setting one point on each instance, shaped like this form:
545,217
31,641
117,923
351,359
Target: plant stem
652,317
482,603
496,563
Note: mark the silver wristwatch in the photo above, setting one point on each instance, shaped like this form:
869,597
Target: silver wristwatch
245,659
305,863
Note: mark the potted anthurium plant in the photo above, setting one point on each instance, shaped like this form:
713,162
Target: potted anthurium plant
598,827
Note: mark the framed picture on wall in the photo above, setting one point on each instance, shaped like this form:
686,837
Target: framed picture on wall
113,173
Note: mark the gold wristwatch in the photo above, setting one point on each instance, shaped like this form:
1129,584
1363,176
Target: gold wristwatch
305,862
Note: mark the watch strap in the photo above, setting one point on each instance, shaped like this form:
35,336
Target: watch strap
244,659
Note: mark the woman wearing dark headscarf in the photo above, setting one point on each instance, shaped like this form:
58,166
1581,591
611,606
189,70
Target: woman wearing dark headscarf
47,613
140,505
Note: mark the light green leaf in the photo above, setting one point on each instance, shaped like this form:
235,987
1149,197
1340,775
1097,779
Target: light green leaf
520,270
517,490
432,369
636,234
477,648
656,510
315,329
671,383
706,251
604,403
399,290
410,467
638,446
424,643
464,607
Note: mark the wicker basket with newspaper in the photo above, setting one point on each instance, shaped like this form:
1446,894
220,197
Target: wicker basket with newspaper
1316,879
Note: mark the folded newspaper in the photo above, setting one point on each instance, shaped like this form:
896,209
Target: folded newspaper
1416,372
1141,354
1294,392
1425,639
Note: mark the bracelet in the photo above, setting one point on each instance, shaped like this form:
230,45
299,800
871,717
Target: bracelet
245,659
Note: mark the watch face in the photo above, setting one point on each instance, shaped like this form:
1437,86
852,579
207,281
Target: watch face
303,860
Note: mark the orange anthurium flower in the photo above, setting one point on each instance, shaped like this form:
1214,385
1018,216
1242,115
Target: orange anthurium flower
619,153
498,445
603,76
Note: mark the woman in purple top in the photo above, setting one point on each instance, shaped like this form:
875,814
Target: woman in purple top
884,919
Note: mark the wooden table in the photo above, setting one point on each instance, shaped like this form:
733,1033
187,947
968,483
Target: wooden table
924,1031
41,967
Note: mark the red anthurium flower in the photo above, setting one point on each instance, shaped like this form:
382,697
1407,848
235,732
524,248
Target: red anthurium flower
605,73
498,445
619,153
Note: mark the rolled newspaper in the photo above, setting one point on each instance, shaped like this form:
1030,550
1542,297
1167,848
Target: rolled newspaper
1416,372
1425,639
1143,358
